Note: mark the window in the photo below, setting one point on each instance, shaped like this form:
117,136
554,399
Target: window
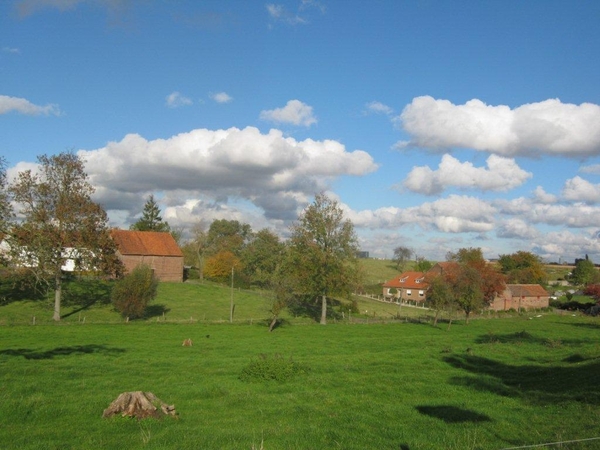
421,293
408,292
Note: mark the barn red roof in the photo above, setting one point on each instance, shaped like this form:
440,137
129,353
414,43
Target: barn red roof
527,290
145,243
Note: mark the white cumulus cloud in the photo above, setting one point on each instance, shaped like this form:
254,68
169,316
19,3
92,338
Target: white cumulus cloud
579,190
176,99
294,112
549,127
501,174
455,214
221,97
594,169
541,196
270,171
24,106
376,107
515,228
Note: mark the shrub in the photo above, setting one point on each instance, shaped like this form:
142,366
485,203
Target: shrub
351,307
132,294
271,368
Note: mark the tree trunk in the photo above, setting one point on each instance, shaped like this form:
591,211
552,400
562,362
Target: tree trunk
57,294
437,313
467,313
323,310
273,323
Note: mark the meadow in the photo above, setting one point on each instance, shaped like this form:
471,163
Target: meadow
384,378
493,384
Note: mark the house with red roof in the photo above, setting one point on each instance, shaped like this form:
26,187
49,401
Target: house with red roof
408,286
412,286
155,249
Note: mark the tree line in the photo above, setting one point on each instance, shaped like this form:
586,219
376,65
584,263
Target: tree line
48,217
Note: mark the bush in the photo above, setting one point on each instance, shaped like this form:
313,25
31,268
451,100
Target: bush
132,294
351,307
275,368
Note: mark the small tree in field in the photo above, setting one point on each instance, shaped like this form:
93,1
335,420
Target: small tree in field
132,294
323,249
401,257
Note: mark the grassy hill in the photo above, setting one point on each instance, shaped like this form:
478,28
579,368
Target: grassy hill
176,302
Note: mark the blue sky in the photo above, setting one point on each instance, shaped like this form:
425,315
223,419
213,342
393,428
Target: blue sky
436,124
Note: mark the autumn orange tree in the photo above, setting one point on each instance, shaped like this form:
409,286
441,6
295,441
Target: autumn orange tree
473,282
219,266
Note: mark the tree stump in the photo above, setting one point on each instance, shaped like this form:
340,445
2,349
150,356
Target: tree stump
140,405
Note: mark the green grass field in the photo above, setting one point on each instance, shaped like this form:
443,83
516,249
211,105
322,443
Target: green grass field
492,384
503,381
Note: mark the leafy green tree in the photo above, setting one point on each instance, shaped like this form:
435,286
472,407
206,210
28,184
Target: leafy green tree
262,256
282,287
523,268
229,235
402,256
468,290
585,273
323,248
439,296
151,219
60,222
422,265
132,294
466,255
195,249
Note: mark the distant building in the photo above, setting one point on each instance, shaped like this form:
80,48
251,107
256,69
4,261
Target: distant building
520,297
408,286
156,249
362,254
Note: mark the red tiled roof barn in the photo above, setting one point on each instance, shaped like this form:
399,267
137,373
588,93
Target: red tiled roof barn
155,249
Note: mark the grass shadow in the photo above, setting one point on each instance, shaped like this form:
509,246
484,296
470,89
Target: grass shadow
85,292
521,337
155,310
452,414
535,383
61,351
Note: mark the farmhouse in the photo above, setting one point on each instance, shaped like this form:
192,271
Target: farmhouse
521,296
408,286
155,249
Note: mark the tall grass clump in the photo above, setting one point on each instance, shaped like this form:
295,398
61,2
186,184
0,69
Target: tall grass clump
132,294
271,368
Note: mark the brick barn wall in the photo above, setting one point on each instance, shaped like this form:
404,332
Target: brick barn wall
166,268
506,302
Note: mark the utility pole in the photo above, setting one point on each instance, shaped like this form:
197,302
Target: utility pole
231,306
